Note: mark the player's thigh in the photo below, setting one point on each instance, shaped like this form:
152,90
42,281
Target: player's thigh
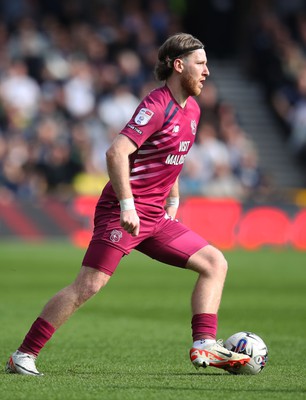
102,257
173,244
109,242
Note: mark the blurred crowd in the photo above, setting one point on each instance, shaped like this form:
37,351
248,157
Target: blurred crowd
223,161
277,58
71,75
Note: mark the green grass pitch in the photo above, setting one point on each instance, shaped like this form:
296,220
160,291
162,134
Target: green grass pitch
132,340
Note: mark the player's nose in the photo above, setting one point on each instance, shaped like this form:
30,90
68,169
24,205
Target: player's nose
206,71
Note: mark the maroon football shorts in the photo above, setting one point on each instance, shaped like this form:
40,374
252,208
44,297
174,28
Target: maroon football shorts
163,239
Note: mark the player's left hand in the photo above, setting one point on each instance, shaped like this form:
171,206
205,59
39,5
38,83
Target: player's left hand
171,211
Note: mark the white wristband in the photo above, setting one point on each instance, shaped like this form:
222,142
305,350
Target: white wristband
127,204
172,202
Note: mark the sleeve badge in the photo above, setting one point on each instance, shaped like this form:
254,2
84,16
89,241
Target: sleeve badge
143,117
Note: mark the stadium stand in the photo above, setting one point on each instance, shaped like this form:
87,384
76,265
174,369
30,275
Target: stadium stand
69,81
72,72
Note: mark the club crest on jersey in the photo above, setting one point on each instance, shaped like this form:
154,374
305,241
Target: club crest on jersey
193,126
143,117
115,235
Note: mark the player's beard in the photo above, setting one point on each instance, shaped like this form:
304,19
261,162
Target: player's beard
190,85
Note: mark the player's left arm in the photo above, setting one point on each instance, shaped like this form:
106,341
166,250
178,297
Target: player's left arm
172,201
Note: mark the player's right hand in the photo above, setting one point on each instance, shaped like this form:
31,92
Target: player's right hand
130,222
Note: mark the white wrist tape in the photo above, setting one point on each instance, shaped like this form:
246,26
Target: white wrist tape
172,202
127,204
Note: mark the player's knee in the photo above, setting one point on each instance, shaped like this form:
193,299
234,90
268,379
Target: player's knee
216,264
92,289
207,261
89,287
87,291
221,263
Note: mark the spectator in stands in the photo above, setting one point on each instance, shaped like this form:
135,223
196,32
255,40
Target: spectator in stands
78,90
296,116
19,95
210,103
205,157
279,61
116,108
224,183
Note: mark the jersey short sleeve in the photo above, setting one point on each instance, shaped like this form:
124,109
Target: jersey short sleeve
147,119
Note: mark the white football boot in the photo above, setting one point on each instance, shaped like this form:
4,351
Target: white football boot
22,363
217,356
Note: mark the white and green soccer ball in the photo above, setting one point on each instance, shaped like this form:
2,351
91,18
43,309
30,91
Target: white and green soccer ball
252,345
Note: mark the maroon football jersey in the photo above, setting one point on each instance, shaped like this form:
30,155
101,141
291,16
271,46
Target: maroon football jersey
164,133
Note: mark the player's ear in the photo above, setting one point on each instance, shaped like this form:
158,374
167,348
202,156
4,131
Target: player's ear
178,65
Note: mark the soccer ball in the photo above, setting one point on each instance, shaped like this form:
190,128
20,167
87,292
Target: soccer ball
252,345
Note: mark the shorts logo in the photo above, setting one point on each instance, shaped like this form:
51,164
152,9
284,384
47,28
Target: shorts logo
115,235
143,117
193,126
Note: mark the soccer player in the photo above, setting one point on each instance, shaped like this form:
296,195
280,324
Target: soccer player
137,210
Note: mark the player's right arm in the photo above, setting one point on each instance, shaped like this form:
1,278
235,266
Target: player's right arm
117,158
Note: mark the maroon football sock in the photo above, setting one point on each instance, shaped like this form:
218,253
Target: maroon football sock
204,326
40,332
